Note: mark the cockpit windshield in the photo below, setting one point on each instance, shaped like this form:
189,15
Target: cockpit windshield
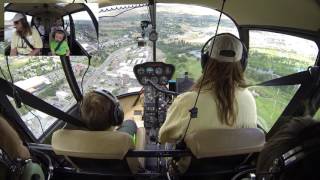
182,29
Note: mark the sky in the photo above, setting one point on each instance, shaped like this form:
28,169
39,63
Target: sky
172,7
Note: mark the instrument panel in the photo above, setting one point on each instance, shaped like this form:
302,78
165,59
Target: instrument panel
158,72
155,102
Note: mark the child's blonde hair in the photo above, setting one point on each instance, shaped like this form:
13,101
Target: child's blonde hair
96,111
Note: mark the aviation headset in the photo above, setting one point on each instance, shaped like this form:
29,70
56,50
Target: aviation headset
205,55
59,31
118,114
293,157
21,169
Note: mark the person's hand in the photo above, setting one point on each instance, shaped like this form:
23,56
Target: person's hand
34,52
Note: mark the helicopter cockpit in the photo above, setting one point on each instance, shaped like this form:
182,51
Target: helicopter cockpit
150,53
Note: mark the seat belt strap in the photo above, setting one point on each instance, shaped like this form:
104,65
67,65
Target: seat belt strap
311,74
28,43
59,44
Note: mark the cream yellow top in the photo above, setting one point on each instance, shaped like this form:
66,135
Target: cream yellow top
178,114
21,45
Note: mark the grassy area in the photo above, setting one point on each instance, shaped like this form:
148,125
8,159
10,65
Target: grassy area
284,54
317,116
270,103
183,64
51,89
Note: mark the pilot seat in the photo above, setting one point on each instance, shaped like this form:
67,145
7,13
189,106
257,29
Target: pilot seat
220,153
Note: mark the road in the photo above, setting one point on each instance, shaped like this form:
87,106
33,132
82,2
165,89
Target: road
113,60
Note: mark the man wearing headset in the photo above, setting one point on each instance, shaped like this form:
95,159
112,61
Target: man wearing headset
223,102
25,40
101,111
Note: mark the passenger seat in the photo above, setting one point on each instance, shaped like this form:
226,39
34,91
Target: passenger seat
220,150
97,150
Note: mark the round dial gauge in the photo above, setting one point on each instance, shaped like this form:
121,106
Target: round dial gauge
155,80
163,80
149,70
159,71
168,70
140,71
153,36
144,80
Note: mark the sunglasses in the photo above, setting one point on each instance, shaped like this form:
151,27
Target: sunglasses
16,22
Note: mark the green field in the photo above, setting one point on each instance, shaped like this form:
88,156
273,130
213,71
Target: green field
317,116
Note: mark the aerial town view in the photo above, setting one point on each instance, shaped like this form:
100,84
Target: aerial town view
44,78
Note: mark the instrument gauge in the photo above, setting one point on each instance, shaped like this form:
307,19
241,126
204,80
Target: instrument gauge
159,71
149,70
163,80
168,71
140,71
144,80
155,80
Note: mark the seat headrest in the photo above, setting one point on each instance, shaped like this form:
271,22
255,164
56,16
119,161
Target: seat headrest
91,144
225,142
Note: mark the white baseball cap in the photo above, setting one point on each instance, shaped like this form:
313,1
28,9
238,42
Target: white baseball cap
17,17
226,48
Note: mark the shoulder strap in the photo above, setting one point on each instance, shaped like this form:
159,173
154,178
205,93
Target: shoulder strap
37,28
28,43
59,45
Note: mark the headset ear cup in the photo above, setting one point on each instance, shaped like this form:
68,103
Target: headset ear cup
118,116
244,59
204,60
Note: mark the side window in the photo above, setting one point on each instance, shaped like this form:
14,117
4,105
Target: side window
44,78
9,28
66,23
29,19
94,78
273,55
1,50
85,32
317,116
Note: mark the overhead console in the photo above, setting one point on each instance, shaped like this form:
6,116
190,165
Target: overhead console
154,76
